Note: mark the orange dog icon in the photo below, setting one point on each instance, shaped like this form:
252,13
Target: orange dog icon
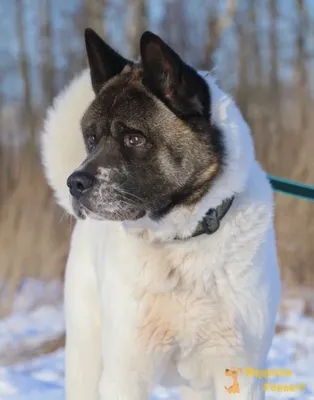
235,387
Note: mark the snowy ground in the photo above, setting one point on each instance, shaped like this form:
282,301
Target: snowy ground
42,378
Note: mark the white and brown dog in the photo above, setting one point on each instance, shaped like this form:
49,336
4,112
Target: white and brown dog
172,274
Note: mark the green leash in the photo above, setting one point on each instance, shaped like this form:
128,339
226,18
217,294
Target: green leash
295,189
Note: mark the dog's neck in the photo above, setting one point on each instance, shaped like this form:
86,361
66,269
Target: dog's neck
182,221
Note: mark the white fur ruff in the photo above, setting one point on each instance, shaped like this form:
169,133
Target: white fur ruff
141,309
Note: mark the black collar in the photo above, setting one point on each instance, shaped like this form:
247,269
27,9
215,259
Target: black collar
211,221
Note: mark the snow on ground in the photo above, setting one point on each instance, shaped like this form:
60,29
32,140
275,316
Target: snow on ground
42,378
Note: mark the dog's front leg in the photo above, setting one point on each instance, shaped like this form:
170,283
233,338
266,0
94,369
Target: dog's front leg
137,345
130,371
82,310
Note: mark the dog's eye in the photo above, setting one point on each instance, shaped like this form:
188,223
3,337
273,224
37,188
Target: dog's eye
134,140
91,142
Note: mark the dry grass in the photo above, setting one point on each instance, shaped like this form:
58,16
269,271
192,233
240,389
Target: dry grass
34,236
284,146
295,238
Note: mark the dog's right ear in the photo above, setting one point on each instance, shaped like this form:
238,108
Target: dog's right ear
176,83
104,62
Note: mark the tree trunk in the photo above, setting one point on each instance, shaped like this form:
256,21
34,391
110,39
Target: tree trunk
274,86
301,69
95,15
136,25
24,68
216,25
276,127
46,51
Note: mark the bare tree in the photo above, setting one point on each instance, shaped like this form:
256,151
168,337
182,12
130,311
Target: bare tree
94,16
274,108
256,46
243,87
254,61
46,51
24,67
217,24
88,13
301,59
273,45
136,25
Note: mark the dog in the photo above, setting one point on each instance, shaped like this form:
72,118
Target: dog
172,272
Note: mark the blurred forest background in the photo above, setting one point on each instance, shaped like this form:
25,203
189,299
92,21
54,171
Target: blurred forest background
261,51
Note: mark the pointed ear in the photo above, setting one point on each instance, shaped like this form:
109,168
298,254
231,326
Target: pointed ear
104,62
172,80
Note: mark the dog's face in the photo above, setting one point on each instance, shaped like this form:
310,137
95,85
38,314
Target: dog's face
151,146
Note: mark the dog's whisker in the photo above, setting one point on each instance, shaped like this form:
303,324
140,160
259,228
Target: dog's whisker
121,190
130,196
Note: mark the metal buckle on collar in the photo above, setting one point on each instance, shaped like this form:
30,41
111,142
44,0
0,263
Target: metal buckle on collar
211,222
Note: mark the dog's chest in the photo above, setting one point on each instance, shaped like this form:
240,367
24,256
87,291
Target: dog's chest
157,267
172,299
182,301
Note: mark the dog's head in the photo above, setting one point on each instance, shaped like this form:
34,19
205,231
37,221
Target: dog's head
148,133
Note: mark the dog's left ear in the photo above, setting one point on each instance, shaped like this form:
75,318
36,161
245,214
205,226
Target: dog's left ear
177,84
104,62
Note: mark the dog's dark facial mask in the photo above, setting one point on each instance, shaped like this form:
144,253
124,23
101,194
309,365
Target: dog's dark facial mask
151,146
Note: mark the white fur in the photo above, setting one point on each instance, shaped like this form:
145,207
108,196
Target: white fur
62,142
142,309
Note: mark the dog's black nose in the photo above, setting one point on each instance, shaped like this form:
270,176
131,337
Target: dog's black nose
80,182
